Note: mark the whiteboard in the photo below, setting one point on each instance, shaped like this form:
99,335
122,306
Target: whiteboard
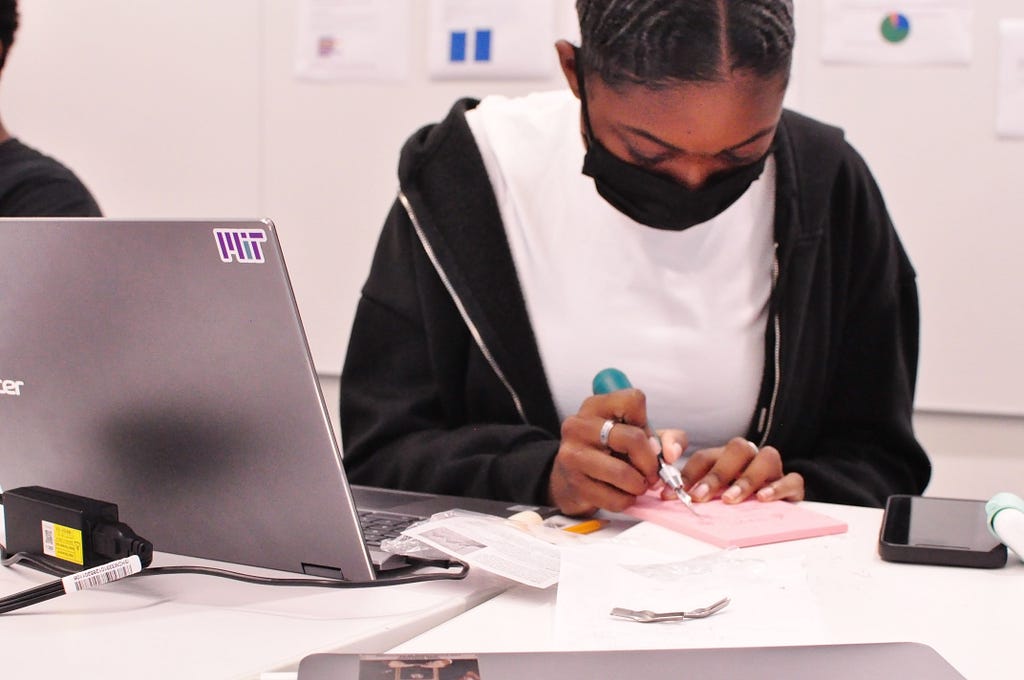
192,109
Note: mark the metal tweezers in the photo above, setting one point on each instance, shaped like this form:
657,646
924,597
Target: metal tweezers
647,616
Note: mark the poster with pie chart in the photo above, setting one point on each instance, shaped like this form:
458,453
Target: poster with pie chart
895,27
897,31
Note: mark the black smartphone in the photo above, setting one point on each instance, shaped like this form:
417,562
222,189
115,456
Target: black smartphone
946,531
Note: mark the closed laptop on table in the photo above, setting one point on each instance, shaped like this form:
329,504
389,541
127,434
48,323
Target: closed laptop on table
903,660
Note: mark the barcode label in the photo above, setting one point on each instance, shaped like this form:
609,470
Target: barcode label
49,547
103,574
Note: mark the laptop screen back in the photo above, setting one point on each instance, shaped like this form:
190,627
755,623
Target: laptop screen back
903,660
162,366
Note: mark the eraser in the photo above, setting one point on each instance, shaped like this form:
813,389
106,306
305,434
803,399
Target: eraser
528,517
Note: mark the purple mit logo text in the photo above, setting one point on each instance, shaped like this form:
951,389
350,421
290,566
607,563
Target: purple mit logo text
241,245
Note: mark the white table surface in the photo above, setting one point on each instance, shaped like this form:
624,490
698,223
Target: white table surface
970,616
193,626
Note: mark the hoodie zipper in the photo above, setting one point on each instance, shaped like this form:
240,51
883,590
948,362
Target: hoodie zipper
767,414
473,330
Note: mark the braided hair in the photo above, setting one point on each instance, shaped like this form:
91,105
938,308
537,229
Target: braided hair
656,43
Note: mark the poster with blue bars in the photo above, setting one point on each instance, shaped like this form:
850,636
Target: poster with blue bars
492,39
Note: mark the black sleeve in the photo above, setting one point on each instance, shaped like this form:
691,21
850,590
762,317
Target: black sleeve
50,197
866,449
416,410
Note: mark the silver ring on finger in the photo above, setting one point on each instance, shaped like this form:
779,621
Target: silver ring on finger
606,430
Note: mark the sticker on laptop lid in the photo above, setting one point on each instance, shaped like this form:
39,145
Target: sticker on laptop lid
240,245
403,666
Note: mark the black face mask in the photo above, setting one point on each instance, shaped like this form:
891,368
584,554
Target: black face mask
653,199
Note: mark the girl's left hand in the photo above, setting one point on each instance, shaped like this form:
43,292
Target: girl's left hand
736,471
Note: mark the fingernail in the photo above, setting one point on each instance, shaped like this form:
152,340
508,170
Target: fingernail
701,491
655,444
677,448
732,494
766,494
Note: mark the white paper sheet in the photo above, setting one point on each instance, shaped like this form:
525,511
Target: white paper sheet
903,32
771,601
1010,98
363,40
494,545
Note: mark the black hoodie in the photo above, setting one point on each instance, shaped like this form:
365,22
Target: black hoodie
443,389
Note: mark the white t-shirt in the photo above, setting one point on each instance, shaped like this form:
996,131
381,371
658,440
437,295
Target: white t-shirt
682,313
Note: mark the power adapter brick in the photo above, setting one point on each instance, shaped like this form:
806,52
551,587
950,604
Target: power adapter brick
73,532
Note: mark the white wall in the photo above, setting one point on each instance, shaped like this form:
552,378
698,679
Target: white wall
972,456
953,188
153,103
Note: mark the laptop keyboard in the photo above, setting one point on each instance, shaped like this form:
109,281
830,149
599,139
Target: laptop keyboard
378,526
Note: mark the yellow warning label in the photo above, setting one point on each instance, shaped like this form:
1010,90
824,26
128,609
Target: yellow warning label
63,543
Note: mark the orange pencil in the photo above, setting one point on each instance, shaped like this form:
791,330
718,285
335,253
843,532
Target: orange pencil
587,527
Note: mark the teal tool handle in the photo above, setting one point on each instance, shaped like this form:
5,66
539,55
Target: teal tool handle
610,380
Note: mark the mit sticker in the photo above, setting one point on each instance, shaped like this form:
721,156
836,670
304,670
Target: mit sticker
241,245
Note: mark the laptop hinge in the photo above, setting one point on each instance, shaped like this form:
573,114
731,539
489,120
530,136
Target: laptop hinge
322,571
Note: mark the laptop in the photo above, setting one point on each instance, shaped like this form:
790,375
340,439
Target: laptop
904,660
162,366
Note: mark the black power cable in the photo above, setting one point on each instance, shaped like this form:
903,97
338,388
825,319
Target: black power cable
108,543
87,578
54,589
